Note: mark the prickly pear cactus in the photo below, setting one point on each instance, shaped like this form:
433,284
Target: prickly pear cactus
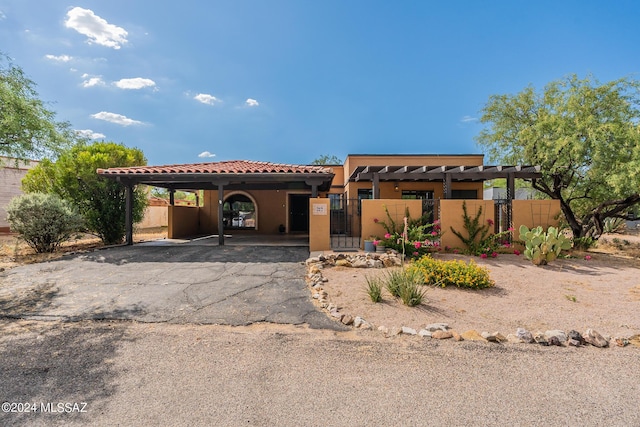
543,247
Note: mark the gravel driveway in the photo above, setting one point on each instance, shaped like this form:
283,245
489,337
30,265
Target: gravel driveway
187,283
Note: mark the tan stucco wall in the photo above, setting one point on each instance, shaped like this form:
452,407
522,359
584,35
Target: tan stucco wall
183,222
533,213
10,185
375,209
272,207
155,216
319,225
451,215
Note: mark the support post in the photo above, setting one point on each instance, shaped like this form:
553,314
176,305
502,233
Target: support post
172,197
128,215
447,186
376,186
314,191
220,214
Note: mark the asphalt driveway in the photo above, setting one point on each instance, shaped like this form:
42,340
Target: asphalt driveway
186,283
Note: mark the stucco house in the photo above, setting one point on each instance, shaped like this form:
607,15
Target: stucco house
11,174
324,202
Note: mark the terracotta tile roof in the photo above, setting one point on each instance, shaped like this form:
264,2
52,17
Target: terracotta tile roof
227,167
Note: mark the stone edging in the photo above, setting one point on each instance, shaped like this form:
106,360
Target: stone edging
316,282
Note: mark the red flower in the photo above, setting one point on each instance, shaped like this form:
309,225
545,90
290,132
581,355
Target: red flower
490,221
417,245
483,256
375,220
587,257
387,235
494,254
416,254
516,252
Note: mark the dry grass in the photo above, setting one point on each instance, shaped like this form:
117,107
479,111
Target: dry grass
14,252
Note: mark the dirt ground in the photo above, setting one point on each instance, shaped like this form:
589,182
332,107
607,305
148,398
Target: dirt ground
602,293
14,252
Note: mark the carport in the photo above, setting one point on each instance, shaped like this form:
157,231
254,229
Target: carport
223,176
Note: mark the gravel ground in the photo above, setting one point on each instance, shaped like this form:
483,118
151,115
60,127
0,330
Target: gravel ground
159,374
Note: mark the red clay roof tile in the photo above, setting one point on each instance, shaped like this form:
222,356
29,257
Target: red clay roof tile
226,167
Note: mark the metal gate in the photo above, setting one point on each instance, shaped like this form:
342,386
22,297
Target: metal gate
345,223
502,215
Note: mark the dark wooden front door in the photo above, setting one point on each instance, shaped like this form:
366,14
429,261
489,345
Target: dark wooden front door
299,213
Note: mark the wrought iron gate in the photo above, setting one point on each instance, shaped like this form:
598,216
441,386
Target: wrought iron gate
502,214
345,223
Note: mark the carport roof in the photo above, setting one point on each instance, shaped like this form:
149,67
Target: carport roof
233,172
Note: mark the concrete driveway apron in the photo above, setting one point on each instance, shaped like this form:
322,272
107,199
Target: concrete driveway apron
186,283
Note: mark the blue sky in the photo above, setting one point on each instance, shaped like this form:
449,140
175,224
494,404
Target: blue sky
288,81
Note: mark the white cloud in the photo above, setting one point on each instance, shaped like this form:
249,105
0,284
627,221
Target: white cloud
95,28
59,58
135,83
206,154
467,119
88,133
205,98
92,81
118,119
251,103
2,15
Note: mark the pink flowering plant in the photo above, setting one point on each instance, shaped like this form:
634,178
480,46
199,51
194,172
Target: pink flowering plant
421,237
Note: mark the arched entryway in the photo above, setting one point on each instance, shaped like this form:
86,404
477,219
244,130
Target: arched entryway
240,212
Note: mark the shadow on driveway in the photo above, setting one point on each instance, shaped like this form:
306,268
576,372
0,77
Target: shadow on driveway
187,283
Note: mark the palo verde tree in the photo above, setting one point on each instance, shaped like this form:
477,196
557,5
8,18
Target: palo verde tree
100,201
584,134
28,129
327,159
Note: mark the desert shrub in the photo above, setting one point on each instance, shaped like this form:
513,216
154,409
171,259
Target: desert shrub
452,273
614,225
43,221
374,289
408,285
584,243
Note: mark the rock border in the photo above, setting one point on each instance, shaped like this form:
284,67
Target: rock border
555,337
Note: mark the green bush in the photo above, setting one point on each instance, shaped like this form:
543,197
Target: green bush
452,273
43,221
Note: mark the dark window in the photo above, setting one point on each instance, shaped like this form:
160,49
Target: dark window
365,193
464,194
239,212
335,202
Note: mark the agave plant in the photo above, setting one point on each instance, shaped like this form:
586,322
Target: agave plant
543,247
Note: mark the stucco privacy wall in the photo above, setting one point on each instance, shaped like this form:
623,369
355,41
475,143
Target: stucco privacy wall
154,216
533,213
319,225
373,209
451,215
11,180
183,221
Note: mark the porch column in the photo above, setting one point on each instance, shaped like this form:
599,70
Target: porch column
172,197
128,215
376,186
220,214
511,187
447,186
314,183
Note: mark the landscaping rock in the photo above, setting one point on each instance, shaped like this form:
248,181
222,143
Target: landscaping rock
437,327
441,335
347,319
514,339
343,263
554,340
574,343
634,340
496,337
576,336
557,333
424,333
595,339
456,335
621,342
336,314
357,321
383,329
524,335
472,335
408,331
539,338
